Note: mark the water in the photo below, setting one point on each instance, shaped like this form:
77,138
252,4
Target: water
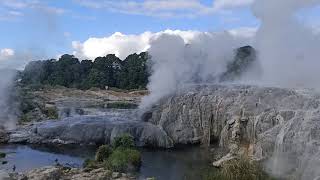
179,164
26,158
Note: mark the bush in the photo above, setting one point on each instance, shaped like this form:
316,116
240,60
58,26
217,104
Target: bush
51,112
239,169
103,153
124,141
90,164
122,157
24,118
2,155
124,160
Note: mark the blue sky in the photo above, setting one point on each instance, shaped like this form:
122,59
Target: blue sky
50,26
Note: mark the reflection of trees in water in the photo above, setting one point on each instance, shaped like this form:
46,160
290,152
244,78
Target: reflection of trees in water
184,162
70,150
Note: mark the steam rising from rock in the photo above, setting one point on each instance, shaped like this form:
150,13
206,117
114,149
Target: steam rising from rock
176,63
7,115
289,53
288,50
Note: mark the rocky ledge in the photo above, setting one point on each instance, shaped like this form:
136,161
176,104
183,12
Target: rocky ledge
280,127
57,173
90,130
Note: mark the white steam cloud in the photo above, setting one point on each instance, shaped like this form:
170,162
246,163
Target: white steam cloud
176,63
10,61
288,50
6,81
7,116
123,45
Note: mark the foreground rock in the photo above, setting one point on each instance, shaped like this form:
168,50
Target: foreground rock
92,130
62,173
279,126
4,137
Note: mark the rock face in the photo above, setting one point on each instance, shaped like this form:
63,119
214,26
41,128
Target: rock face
245,58
58,173
281,127
92,130
3,135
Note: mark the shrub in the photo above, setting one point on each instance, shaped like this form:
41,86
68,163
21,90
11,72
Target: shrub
124,160
239,169
90,164
103,153
2,155
121,157
124,141
24,118
51,112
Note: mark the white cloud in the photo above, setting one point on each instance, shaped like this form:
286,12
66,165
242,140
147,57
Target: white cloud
12,9
164,8
16,4
227,4
6,53
122,45
118,44
246,32
158,8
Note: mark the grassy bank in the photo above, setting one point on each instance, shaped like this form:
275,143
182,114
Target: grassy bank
238,169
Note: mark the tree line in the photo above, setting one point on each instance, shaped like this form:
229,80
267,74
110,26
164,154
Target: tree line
69,71
130,73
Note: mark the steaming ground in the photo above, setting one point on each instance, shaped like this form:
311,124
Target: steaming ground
288,52
7,111
175,63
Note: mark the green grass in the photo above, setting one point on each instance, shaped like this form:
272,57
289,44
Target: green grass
3,155
51,112
123,141
122,157
90,164
239,169
124,160
103,153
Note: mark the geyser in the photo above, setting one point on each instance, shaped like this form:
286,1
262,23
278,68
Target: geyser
176,63
287,51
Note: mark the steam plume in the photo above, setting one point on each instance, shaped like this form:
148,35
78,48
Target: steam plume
176,63
288,50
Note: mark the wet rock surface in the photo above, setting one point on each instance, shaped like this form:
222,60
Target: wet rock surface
92,130
280,127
